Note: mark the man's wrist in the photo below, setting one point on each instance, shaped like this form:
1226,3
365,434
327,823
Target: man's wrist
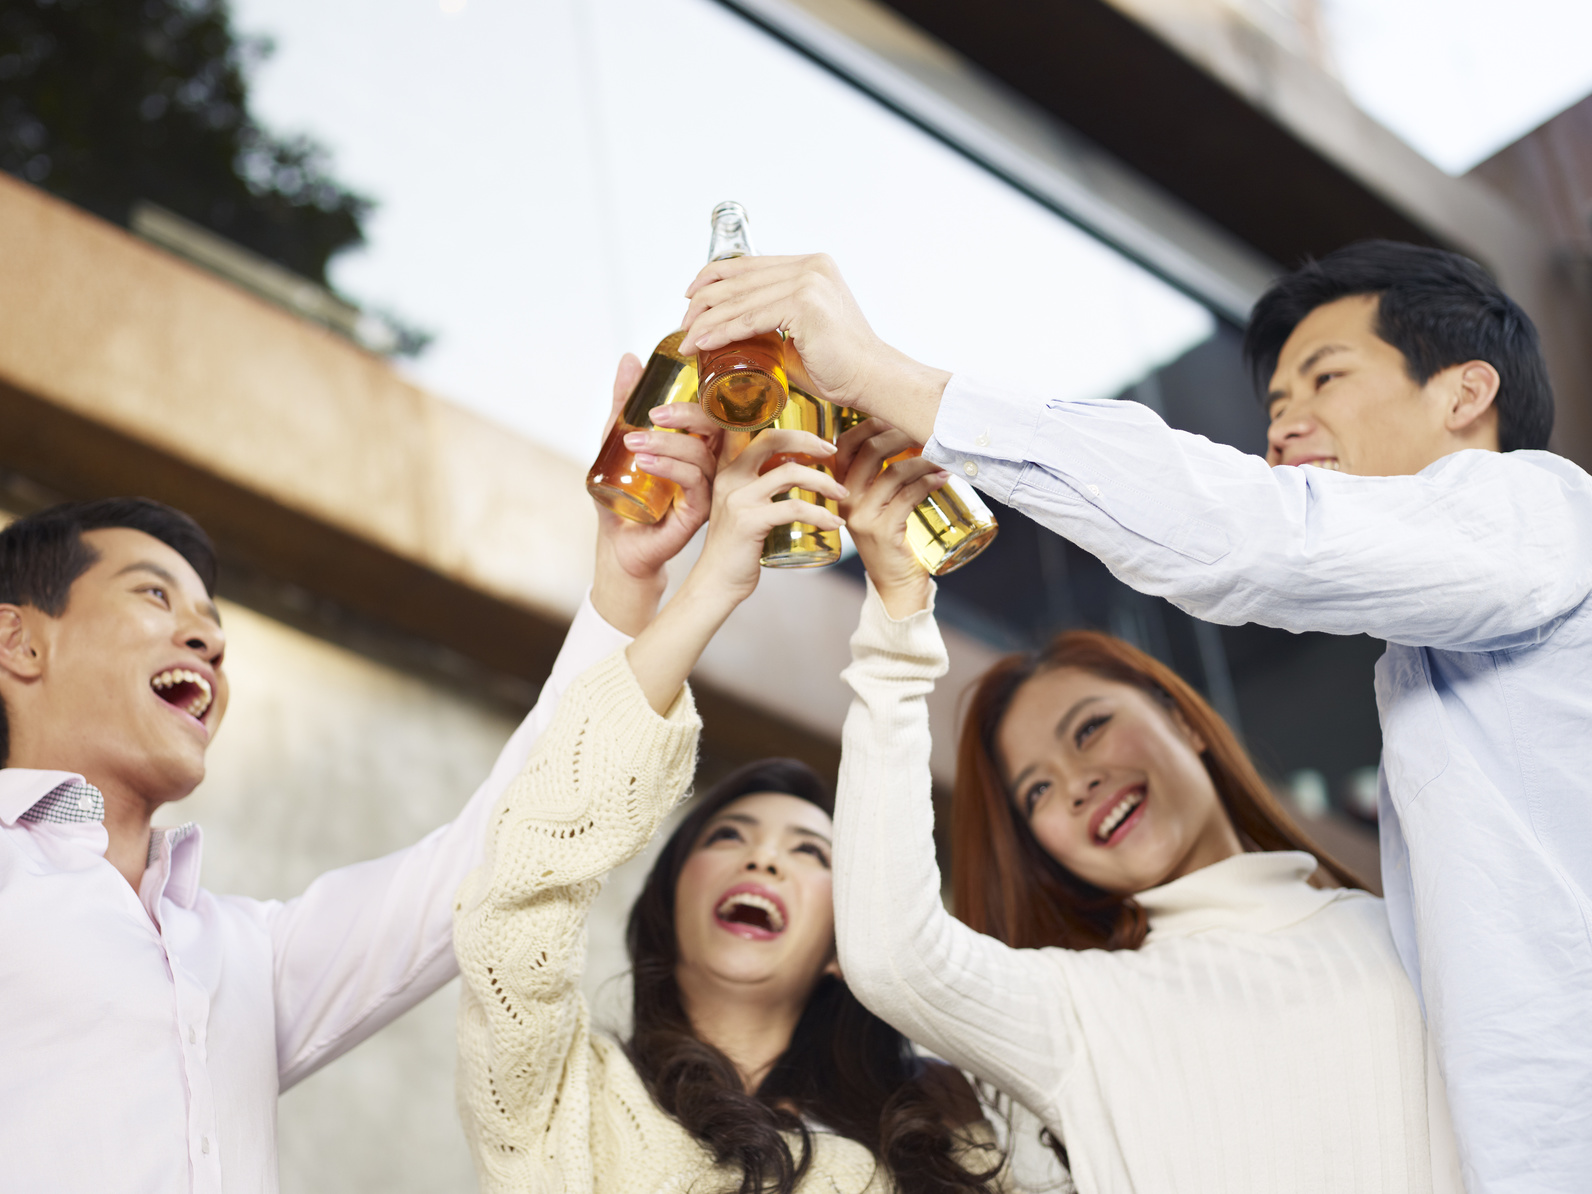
903,392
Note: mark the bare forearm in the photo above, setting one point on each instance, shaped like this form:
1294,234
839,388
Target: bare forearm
902,392
665,652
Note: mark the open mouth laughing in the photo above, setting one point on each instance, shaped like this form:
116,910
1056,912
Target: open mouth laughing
1115,819
752,911
185,690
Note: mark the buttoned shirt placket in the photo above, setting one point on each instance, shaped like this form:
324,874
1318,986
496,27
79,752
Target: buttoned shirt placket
170,882
82,803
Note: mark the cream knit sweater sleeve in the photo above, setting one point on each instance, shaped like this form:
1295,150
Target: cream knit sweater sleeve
601,780
997,1012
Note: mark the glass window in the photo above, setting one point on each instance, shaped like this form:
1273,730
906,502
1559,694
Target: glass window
546,173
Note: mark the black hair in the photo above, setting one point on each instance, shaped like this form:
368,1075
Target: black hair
844,1068
1437,308
42,555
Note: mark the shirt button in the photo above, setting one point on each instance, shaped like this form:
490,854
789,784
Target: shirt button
1095,489
204,1145
84,803
192,1037
970,469
982,439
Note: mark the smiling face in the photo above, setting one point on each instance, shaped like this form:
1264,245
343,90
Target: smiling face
129,687
754,905
1342,398
1110,782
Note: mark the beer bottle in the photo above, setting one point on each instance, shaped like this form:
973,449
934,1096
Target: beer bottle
614,480
800,544
741,385
950,526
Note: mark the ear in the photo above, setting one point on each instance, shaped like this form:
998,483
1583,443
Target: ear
1472,388
19,658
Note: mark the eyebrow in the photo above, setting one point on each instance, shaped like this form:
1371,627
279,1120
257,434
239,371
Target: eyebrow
1061,726
1309,363
154,569
748,819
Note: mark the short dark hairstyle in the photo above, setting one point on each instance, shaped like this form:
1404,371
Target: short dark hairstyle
42,555
1437,308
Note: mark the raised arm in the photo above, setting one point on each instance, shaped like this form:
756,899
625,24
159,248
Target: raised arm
618,755
365,943
993,1010
1480,550
605,774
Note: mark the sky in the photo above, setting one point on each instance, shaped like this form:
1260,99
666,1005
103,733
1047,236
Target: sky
544,171
545,178
1460,79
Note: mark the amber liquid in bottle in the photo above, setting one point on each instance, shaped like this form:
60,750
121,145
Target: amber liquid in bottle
800,544
614,480
744,384
741,385
950,526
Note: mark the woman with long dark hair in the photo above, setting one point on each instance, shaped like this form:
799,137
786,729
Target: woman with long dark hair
751,1067
1152,957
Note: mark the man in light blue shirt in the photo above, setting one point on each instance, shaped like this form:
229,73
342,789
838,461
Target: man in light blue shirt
1410,396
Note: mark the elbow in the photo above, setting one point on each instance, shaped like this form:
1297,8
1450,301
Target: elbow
867,966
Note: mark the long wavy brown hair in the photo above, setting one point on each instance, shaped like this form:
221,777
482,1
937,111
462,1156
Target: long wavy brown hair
1003,881
844,1068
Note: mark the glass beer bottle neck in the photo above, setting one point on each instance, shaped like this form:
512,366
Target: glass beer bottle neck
731,237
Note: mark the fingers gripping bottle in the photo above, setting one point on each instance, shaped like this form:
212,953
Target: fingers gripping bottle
800,544
614,480
741,385
950,526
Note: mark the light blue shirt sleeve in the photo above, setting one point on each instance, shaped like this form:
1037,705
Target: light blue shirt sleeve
1479,551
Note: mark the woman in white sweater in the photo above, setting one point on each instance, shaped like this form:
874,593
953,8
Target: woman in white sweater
1157,978
751,1067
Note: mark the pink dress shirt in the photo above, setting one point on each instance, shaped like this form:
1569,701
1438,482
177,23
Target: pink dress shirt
145,1037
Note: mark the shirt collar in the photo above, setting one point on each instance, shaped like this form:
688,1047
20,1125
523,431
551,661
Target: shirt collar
173,865
23,787
1258,892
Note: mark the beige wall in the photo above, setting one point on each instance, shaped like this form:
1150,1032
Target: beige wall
328,758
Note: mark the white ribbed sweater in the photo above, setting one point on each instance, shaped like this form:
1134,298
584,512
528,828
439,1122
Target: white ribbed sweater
1263,1039
547,1105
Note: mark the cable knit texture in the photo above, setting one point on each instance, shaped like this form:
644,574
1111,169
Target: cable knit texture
1263,1039
549,1106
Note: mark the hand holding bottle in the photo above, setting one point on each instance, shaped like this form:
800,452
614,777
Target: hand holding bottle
844,361
744,510
750,499
882,499
630,575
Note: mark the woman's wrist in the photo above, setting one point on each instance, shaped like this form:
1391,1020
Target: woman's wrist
903,596
626,602
707,598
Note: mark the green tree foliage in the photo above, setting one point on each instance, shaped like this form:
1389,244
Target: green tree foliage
106,102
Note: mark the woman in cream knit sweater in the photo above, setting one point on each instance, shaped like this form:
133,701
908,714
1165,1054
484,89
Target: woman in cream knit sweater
752,1068
1158,980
